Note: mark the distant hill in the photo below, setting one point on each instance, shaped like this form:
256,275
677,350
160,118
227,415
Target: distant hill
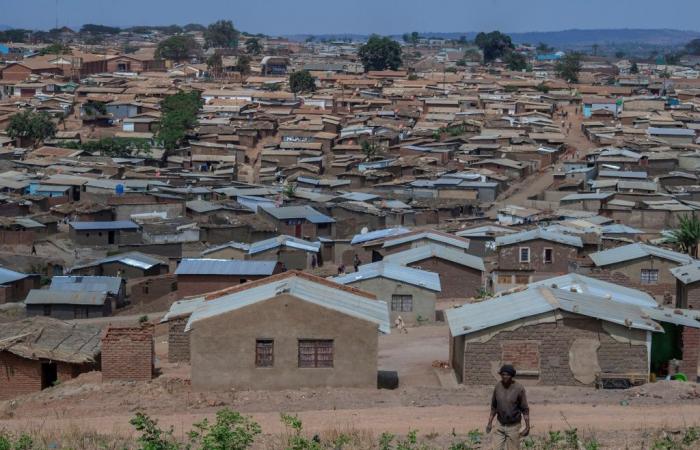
564,38
4,27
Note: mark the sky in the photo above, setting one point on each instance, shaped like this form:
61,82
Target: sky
278,17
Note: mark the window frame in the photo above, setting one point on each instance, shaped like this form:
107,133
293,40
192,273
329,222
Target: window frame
315,345
401,298
551,255
259,345
520,255
648,279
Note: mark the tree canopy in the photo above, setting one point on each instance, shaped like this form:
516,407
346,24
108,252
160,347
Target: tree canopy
380,53
693,47
243,65
91,28
569,67
253,46
179,114
56,49
35,126
687,236
494,45
301,81
221,33
516,61
177,48
411,38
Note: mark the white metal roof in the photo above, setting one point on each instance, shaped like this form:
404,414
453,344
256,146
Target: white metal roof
635,251
435,250
409,275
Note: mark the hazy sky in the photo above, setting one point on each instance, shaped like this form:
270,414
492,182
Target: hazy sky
361,16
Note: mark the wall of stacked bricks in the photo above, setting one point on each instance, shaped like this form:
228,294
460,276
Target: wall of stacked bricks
178,340
509,257
18,375
691,353
553,341
128,354
456,280
151,288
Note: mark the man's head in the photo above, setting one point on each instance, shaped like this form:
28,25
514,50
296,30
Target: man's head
507,373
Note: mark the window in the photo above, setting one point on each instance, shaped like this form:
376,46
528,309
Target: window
264,352
315,353
650,276
243,280
47,310
522,279
505,279
524,254
402,303
548,254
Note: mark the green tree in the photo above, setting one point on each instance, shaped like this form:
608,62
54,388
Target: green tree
634,68
32,126
411,38
693,47
380,53
595,47
91,28
516,61
56,48
177,48
221,33
231,431
569,67
253,46
370,150
301,81
620,54
215,64
494,45
243,65
687,236
179,114
544,49
672,59
472,55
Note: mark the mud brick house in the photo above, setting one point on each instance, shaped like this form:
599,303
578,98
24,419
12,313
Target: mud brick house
409,293
14,286
644,264
482,239
293,253
687,285
38,352
530,255
128,353
396,244
125,265
197,276
99,234
114,287
67,305
461,274
288,331
299,221
570,330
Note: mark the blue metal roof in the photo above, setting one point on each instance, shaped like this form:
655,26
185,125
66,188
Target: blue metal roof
74,283
225,267
378,234
111,225
8,276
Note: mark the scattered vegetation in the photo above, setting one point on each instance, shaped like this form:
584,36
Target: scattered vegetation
301,81
177,48
494,45
380,53
32,126
114,147
221,34
179,114
687,236
569,66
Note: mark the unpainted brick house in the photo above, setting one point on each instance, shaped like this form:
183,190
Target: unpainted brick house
288,331
128,353
198,276
569,330
461,274
38,352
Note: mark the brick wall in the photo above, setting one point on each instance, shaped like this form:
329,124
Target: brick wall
178,340
525,355
18,376
509,257
691,353
553,342
128,353
151,288
457,281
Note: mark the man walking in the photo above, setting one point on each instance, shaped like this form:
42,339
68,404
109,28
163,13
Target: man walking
509,405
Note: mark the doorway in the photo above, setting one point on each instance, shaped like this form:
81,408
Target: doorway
49,375
110,238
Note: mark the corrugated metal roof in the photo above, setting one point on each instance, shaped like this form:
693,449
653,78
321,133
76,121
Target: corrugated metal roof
435,250
539,233
106,225
55,297
689,273
597,288
587,196
134,259
537,300
73,283
676,316
670,131
378,234
284,241
225,267
182,308
8,276
485,231
431,236
235,245
409,275
636,251
319,294
298,212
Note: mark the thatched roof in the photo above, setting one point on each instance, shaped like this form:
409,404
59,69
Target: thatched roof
52,339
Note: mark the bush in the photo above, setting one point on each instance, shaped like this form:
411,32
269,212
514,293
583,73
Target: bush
231,431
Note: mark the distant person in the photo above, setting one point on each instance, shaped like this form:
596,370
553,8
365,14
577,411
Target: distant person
341,269
400,325
33,250
314,262
509,406
356,262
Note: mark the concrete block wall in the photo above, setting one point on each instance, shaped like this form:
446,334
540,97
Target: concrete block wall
128,354
178,341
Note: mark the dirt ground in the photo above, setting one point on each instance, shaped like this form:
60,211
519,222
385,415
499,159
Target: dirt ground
421,402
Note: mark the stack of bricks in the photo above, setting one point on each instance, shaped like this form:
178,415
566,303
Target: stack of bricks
691,353
128,353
